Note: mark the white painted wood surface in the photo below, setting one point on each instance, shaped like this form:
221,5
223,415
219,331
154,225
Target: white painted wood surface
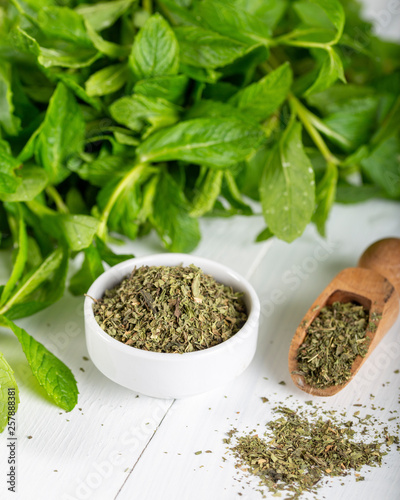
118,445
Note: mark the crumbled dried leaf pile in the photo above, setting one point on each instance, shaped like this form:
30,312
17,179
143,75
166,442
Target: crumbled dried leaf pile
333,341
297,453
170,309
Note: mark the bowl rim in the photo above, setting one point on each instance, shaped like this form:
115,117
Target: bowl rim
240,336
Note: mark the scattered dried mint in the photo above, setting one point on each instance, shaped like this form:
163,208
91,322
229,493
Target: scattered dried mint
172,309
332,342
297,453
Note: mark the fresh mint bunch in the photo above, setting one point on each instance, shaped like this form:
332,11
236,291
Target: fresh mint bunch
123,117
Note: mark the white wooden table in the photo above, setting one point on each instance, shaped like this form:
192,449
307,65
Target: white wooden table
119,445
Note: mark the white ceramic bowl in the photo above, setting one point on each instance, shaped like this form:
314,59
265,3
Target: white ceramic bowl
171,375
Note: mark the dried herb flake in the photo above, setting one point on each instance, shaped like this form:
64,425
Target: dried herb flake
172,309
332,342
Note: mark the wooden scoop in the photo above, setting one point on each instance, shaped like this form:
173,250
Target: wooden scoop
375,284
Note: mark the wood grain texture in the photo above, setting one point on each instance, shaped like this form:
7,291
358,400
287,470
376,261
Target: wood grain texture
384,257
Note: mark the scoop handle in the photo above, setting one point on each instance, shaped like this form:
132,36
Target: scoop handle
384,257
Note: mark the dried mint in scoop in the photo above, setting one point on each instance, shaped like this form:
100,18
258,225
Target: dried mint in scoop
332,342
172,309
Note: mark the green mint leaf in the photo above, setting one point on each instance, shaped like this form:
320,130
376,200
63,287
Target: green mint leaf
330,70
203,75
34,279
91,269
170,88
313,15
269,12
110,49
252,173
262,98
353,123
30,146
217,143
30,8
264,235
64,24
107,80
61,134
19,263
155,51
51,373
220,91
92,266
45,243
49,291
207,49
69,56
348,193
231,193
69,81
177,13
34,257
324,197
333,99
99,171
178,230
126,212
382,166
108,255
76,231
33,180
357,157
207,193
7,383
126,138
75,202
9,182
391,122
287,187
5,147
8,121
221,209
102,15
246,69
209,109
131,111
228,19
24,111
326,15
334,11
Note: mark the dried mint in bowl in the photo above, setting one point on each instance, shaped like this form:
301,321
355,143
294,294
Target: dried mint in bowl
171,309
332,342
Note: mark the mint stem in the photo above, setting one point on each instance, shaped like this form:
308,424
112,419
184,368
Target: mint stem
133,174
52,193
307,119
148,6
